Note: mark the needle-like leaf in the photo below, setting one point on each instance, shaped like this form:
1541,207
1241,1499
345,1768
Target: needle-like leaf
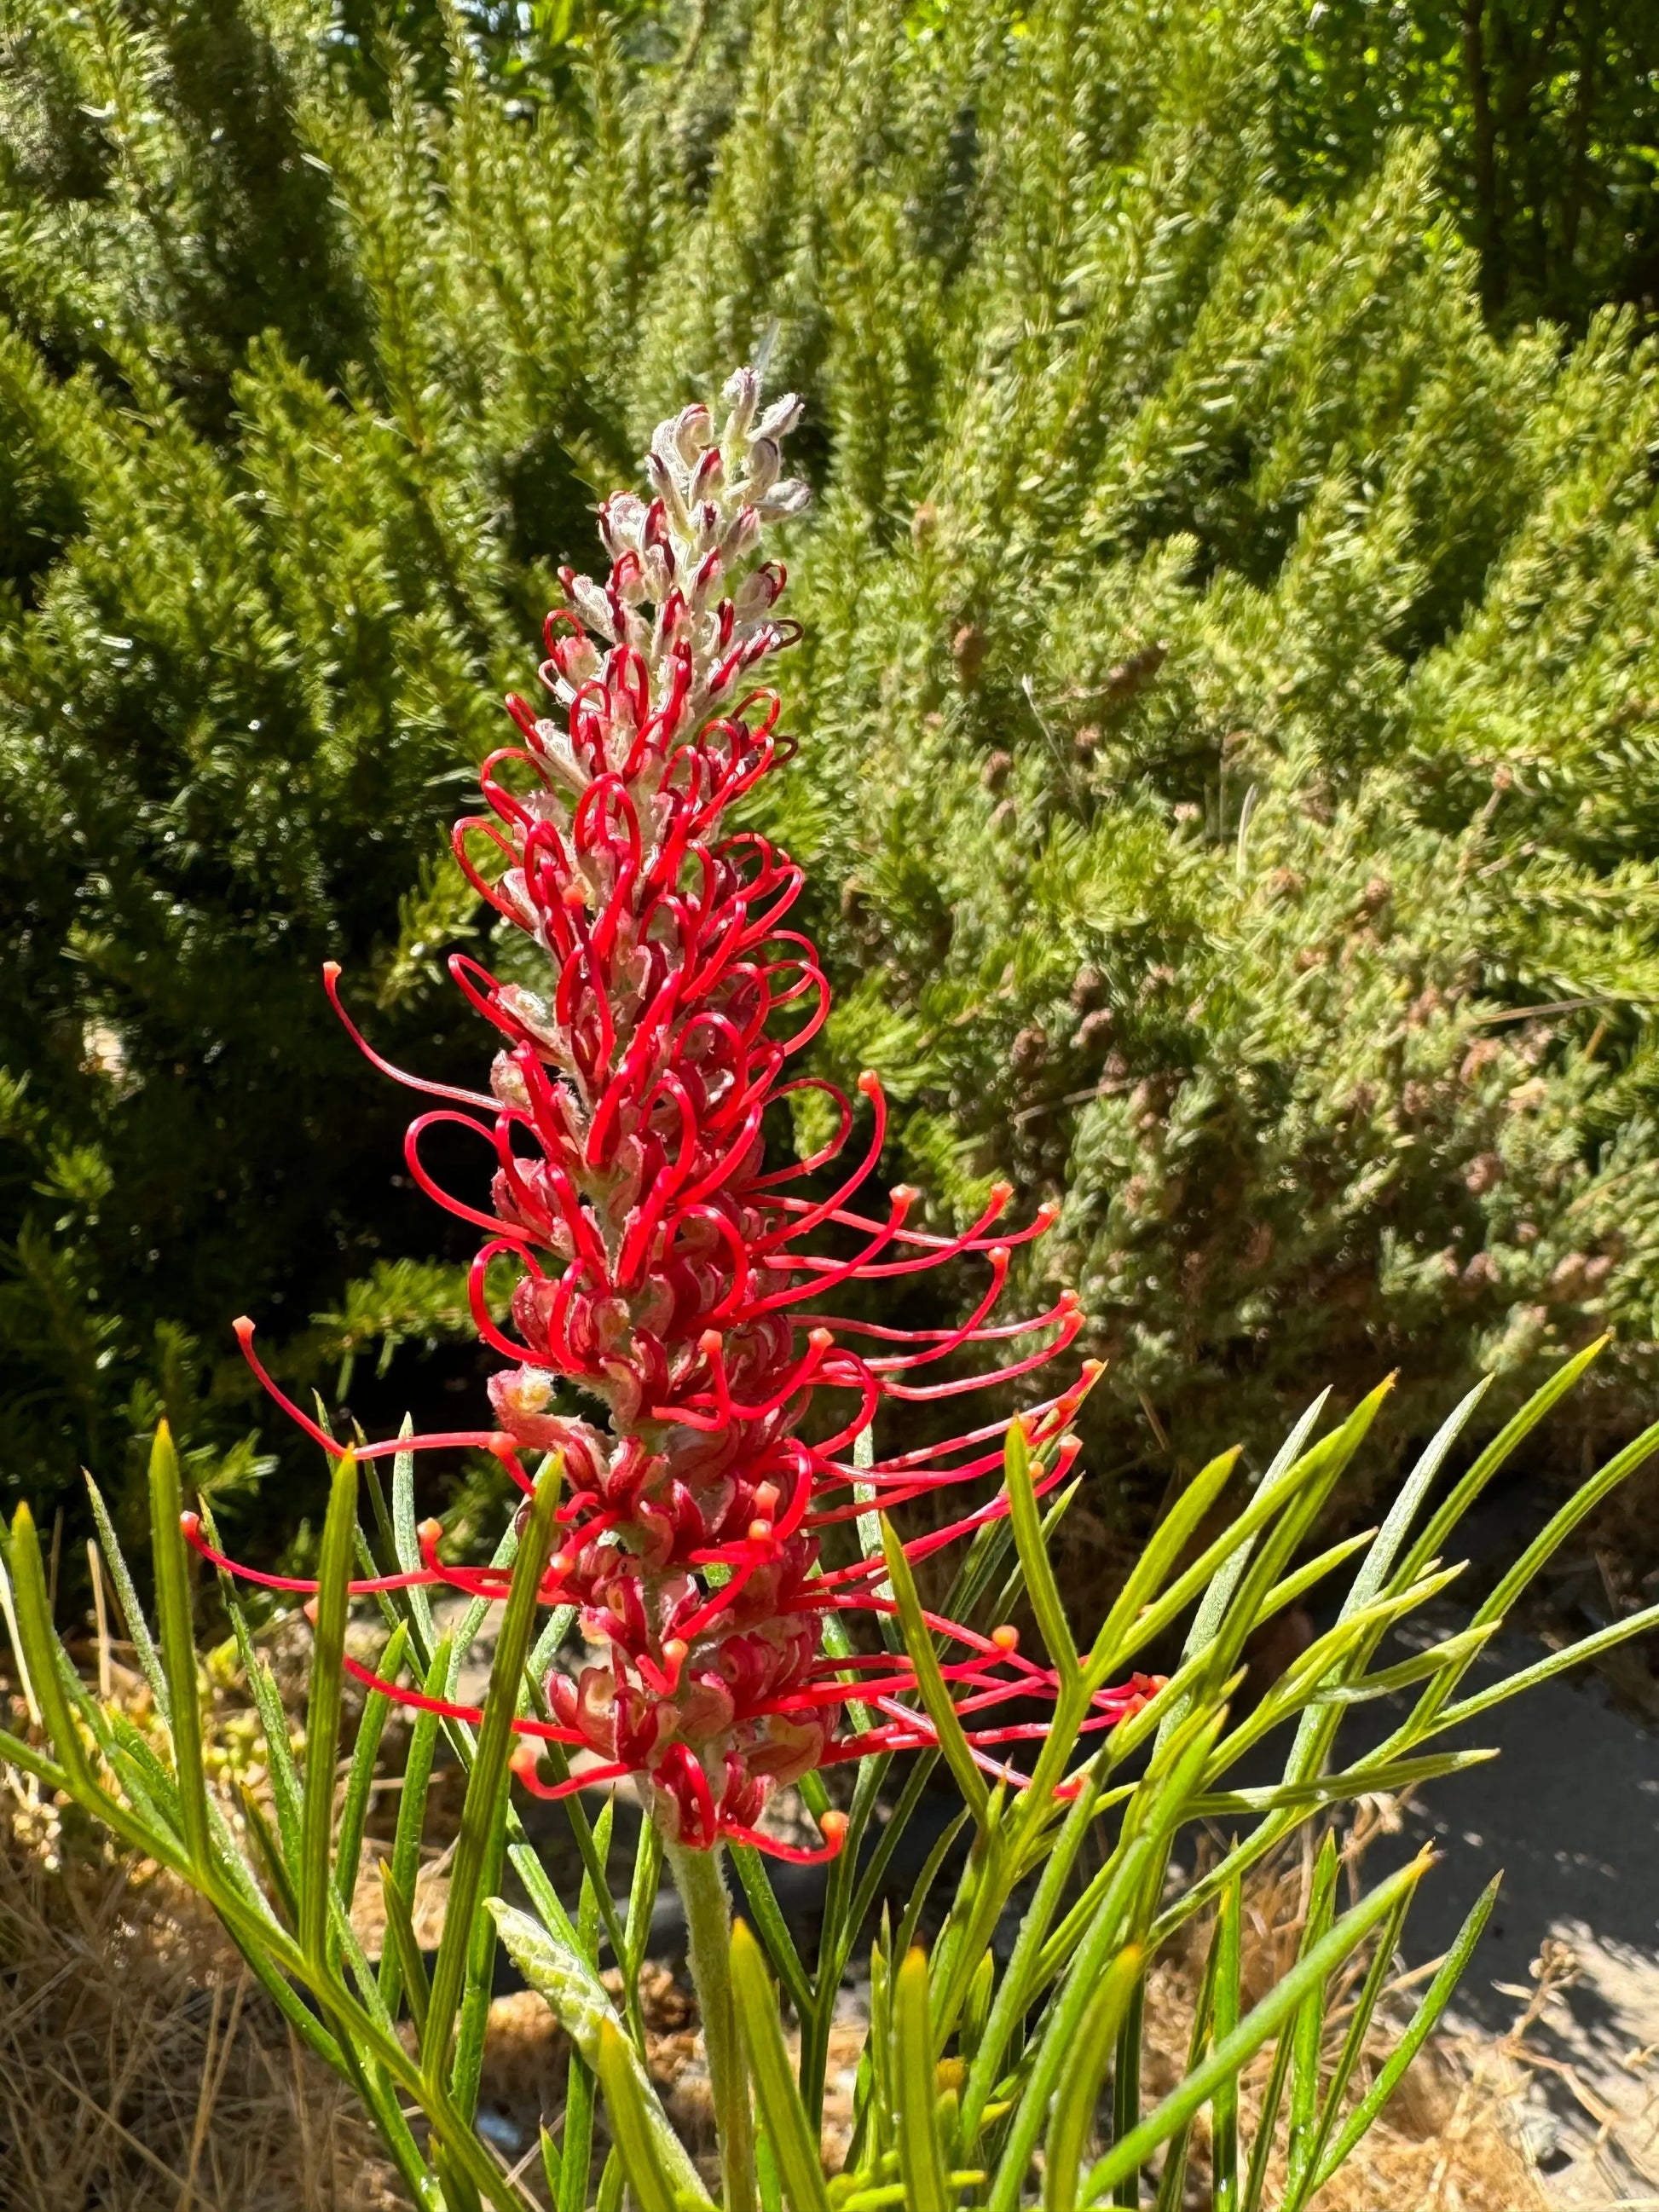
178,1643
793,2139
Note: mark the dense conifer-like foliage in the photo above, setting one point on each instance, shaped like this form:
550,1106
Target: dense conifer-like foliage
1228,709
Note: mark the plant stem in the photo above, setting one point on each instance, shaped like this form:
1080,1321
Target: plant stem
700,1877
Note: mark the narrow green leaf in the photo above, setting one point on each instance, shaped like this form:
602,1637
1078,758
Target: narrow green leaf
1126,2087
1231,2056
1390,1775
1575,1655
1432,1542
635,2145
1057,2050
915,1905
1224,2113
39,1657
271,1857
777,2099
767,2183
365,1752
400,1940
774,1931
1353,2043
126,1596
1160,1555
472,2019
406,1533
1041,1587
1561,1524
1297,1585
417,1776
1267,2122
642,1898
1424,2022
576,2158
1308,2034
322,1707
273,1720
552,2172
1080,2085
178,1643
488,1781
921,2163
935,1697
1369,1583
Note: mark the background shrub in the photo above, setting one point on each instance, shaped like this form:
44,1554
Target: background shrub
1228,698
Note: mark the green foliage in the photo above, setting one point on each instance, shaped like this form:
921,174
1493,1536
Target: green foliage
1545,118
982,2080
1228,700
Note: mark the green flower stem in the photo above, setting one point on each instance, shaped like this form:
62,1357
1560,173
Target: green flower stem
700,1877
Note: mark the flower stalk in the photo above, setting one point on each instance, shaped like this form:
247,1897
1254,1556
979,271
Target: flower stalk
700,1878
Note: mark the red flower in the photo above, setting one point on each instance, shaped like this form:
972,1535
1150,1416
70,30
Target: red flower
662,1268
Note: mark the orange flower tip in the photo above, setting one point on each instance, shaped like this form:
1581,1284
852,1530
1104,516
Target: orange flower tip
1048,1212
309,1609
190,1526
503,1441
525,1757
430,1530
1092,1371
330,971
710,1342
1069,1302
904,1195
674,1650
832,1825
766,1497
561,1564
243,1327
759,1531
999,1256
870,1083
1000,1194
574,893
821,1339
1006,1638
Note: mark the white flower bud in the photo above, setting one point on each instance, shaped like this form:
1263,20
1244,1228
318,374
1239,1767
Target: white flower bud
764,462
780,417
692,430
754,595
622,523
788,498
592,604
663,483
742,391
742,532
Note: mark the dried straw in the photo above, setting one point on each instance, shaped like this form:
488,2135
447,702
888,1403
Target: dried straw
141,2069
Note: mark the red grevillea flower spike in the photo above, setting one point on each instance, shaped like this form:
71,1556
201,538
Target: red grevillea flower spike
661,1268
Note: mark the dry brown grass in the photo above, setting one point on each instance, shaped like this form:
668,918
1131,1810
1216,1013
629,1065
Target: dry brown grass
141,2069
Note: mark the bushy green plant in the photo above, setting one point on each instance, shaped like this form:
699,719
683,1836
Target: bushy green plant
982,2082
1229,699
733,1553
1543,118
